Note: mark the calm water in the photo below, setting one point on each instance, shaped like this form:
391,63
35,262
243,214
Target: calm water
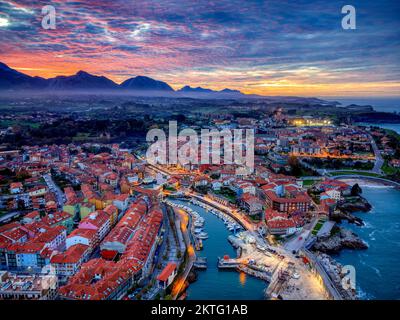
383,104
215,284
377,268
391,126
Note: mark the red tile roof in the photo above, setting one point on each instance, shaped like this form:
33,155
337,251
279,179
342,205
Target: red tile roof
167,271
84,233
72,256
50,234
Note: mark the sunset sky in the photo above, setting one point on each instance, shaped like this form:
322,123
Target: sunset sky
278,47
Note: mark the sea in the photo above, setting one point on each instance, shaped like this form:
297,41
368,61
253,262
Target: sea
377,268
383,104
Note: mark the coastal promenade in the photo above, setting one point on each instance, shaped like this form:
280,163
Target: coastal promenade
229,211
330,287
183,223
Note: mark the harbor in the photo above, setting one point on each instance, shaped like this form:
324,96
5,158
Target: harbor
243,256
233,284
197,222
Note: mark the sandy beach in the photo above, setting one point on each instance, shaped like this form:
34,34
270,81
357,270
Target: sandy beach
365,182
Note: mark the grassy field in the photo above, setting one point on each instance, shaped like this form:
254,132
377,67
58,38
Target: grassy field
308,183
393,133
389,170
9,123
317,227
81,136
230,196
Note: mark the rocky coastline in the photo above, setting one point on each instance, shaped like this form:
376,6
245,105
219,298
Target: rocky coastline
359,204
346,208
342,239
336,273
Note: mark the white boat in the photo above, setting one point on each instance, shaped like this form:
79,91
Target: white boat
198,223
202,235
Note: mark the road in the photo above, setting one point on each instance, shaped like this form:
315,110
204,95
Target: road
55,189
10,215
378,158
297,242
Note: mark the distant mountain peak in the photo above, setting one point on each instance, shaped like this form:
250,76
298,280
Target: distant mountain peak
3,66
13,79
197,89
227,90
82,80
83,73
145,83
191,90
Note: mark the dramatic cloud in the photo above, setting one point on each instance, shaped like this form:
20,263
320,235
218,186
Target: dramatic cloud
267,47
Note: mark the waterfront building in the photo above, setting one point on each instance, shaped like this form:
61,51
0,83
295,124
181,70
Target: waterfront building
167,276
288,199
251,204
279,223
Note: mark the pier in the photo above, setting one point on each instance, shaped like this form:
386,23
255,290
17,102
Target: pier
255,273
226,263
200,263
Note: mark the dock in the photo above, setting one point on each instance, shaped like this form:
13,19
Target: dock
227,263
255,273
200,263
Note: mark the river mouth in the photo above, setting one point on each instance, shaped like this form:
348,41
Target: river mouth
213,283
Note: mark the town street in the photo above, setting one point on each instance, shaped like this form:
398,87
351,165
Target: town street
54,189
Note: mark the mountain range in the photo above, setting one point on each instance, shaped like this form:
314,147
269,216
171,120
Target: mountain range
11,79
